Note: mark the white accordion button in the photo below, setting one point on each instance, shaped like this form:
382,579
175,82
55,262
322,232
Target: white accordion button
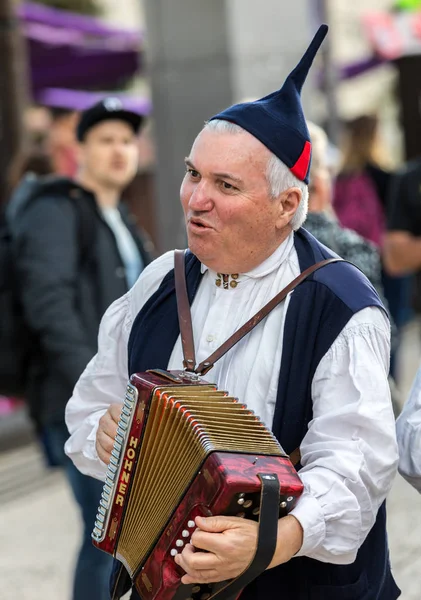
185,533
191,524
179,543
174,552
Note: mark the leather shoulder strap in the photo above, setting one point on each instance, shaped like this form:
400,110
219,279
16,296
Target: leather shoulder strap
184,315
183,308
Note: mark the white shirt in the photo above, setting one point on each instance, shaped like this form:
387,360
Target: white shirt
127,248
408,428
349,454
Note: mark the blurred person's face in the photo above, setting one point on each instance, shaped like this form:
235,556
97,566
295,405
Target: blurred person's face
109,154
232,222
62,130
320,191
37,121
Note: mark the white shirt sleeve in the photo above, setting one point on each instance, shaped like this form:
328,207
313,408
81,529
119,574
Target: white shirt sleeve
349,454
105,378
102,383
408,428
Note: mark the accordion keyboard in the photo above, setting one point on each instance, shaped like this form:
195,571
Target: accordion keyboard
114,466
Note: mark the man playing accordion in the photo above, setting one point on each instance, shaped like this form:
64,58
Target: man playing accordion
314,370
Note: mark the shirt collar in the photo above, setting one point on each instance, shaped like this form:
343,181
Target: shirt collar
267,266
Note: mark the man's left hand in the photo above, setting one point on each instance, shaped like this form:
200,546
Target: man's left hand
230,544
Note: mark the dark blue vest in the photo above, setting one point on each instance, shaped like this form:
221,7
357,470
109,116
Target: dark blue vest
319,309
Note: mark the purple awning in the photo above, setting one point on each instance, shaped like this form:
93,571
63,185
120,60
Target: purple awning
73,51
358,68
80,100
31,12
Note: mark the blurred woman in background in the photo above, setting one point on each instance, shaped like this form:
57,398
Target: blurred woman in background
360,200
361,187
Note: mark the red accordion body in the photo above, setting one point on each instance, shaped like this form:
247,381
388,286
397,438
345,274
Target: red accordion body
151,499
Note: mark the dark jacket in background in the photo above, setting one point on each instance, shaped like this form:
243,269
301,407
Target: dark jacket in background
404,214
404,204
64,288
381,180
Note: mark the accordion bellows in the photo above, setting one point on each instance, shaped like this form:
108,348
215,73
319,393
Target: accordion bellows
183,448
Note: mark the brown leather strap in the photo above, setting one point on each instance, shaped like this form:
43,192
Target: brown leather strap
183,308
295,457
184,316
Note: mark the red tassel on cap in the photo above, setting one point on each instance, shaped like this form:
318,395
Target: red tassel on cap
301,166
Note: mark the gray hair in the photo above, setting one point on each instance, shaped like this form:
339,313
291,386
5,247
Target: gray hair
278,175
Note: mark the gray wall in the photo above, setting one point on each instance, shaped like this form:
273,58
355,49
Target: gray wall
204,55
266,40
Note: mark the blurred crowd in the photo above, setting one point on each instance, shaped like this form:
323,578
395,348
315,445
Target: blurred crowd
354,208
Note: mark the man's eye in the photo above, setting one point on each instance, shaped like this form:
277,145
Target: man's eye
227,186
193,173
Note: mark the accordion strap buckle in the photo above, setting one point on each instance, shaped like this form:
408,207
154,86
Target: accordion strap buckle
204,368
188,364
190,376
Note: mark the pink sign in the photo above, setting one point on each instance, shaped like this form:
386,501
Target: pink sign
393,35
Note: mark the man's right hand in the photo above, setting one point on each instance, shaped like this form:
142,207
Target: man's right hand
107,430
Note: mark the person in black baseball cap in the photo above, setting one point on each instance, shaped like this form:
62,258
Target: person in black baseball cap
108,153
77,251
106,110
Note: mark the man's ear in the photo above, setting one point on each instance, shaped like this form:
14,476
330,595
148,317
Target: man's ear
288,204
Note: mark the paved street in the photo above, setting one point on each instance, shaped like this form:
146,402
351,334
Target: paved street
40,526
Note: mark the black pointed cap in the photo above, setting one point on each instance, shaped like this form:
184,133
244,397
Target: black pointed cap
278,120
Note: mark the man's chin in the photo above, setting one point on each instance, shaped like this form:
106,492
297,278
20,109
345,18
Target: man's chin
198,250
118,183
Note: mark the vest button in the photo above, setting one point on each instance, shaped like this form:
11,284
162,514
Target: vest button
120,272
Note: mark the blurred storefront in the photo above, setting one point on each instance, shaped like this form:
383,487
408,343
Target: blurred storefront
378,45
196,58
396,37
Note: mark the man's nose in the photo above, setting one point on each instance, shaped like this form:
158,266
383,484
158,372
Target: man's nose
119,148
201,198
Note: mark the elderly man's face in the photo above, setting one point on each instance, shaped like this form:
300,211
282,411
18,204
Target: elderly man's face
232,222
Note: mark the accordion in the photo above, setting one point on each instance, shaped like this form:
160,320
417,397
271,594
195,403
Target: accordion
183,448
